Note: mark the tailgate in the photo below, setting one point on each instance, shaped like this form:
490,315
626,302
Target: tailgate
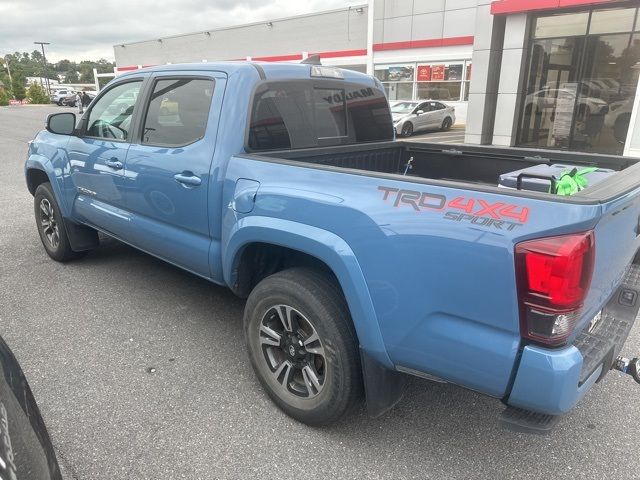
617,240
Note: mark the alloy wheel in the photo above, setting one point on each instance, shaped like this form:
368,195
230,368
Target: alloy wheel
293,351
49,225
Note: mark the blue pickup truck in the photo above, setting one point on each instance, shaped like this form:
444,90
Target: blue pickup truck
364,260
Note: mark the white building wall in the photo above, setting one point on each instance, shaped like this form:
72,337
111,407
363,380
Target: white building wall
336,30
416,32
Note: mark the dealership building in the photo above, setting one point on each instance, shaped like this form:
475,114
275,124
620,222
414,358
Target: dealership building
552,74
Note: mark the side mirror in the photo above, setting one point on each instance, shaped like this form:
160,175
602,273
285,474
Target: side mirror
420,112
61,123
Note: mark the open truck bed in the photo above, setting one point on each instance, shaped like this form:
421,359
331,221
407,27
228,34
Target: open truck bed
472,167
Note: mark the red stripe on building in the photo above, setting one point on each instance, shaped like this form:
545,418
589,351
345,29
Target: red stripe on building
343,53
427,43
278,58
503,7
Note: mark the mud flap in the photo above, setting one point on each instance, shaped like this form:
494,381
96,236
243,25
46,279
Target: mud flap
383,388
81,238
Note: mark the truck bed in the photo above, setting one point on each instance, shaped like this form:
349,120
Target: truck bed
478,167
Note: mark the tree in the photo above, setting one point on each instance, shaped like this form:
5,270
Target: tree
64,66
17,85
37,95
71,77
4,97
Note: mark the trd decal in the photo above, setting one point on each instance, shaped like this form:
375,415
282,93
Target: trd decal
499,215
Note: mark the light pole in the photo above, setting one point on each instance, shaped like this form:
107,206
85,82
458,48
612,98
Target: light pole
44,65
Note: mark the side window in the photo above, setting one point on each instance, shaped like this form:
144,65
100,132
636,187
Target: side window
423,106
111,115
438,106
178,111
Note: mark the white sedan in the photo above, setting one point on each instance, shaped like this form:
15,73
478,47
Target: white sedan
410,117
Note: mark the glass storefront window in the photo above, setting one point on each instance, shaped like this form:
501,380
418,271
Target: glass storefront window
580,89
399,90
394,73
444,81
446,91
563,25
612,21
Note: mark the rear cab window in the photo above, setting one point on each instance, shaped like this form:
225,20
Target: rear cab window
302,113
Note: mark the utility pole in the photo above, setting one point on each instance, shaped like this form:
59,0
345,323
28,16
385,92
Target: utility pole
6,62
44,65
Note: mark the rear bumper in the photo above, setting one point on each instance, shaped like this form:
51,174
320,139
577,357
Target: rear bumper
552,381
548,381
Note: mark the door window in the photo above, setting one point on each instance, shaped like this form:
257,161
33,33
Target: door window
178,111
111,115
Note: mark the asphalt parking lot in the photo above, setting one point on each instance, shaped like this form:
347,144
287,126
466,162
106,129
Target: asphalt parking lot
89,333
455,135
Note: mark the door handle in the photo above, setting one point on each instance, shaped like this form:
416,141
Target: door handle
188,179
113,163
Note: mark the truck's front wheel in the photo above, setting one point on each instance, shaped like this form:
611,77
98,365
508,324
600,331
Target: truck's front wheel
302,345
51,225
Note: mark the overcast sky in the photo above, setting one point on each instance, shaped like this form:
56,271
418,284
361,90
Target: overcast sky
88,30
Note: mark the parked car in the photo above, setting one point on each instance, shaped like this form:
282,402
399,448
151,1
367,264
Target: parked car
59,95
548,98
411,117
363,259
25,447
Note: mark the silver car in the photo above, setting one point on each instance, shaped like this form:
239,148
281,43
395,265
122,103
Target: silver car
410,117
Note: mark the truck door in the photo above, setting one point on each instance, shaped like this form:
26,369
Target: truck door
97,157
168,169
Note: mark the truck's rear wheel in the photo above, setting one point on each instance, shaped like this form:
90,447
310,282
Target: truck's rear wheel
302,345
51,225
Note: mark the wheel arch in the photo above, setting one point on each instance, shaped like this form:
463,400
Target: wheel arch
276,239
35,177
39,169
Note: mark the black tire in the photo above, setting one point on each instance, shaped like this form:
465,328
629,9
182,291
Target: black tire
54,239
407,129
446,124
60,102
315,300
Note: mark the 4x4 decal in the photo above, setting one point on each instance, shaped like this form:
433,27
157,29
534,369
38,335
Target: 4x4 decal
499,215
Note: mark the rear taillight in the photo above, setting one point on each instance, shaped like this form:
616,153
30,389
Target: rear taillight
553,276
